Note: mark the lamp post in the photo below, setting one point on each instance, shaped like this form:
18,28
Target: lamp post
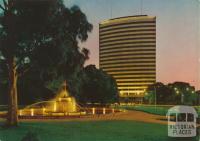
182,95
182,98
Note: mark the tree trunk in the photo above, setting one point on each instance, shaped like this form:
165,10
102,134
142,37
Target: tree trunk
12,116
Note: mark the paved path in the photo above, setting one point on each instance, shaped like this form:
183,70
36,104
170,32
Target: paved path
128,115
132,115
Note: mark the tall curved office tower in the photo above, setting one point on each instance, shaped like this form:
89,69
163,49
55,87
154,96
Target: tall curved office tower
128,53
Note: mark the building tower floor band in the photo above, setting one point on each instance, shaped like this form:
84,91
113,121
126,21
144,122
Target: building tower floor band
128,53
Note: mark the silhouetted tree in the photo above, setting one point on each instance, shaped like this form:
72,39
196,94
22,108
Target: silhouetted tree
41,35
163,93
97,87
183,93
172,93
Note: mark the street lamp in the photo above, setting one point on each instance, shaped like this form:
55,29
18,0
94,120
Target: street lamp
178,92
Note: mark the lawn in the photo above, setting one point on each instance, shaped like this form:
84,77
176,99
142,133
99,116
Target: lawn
158,110
89,131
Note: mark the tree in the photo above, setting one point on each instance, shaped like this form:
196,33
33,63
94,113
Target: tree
198,97
71,72
38,34
172,93
97,87
162,92
183,93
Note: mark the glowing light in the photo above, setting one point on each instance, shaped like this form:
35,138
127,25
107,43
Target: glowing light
93,111
55,107
43,111
192,92
104,111
113,110
20,112
32,112
187,89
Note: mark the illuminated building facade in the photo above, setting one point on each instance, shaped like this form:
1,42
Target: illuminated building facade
128,53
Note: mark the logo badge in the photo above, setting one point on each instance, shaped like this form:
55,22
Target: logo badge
182,121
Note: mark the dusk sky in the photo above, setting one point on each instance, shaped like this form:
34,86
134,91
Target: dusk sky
178,32
177,35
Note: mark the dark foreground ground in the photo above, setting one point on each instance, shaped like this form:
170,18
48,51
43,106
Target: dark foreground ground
112,130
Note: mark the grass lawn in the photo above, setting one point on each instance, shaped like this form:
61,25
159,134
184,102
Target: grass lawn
89,131
158,110
149,109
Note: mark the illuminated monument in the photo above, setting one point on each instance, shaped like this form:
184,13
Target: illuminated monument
63,104
128,53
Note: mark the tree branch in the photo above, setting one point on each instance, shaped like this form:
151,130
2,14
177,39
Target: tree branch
24,71
2,7
5,4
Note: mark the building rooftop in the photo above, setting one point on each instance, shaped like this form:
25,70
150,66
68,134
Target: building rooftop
127,18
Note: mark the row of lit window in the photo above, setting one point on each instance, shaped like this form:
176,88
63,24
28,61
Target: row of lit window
124,52
135,57
111,51
152,79
128,24
129,27
112,24
133,61
125,24
126,37
130,68
123,34
132,95
128,58
128,42
128,45
135,76
132,87
131,72
127,54
136,80
128,30
134,84
140,64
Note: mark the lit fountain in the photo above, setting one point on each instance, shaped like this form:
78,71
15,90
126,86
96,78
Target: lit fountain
62,105
63,102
